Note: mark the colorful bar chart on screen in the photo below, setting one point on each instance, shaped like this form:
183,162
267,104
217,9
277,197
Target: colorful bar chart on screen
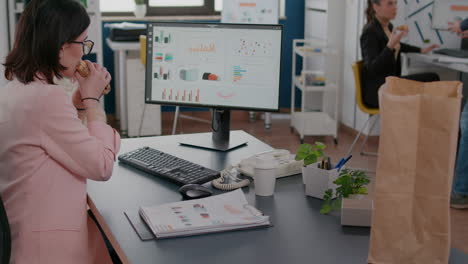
238,72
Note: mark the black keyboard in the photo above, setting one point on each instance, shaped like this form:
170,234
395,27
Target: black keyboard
458,53
168,167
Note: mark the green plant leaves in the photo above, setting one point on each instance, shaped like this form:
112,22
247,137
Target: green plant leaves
310,159
327,199
349,182
326,209
320,145
362,190
310,153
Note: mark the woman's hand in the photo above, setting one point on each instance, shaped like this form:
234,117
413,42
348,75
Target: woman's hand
455,26
396,37
463,34
76,100
430,48
93,85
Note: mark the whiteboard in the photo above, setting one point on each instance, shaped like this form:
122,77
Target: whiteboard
445,11
419,17
250,11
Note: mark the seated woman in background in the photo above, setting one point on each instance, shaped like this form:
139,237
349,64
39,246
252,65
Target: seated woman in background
46,152
381,48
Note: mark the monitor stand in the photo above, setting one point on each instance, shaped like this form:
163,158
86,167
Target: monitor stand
219,140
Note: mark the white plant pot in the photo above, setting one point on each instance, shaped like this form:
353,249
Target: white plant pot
317,181
357,211
140,11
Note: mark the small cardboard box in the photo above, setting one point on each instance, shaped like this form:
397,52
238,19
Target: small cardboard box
357,211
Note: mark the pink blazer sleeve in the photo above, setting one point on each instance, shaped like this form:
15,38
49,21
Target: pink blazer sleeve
88,152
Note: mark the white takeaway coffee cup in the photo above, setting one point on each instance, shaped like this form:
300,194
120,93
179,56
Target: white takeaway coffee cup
265,176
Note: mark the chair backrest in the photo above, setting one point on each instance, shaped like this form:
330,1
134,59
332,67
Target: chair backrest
357,71
5,239
143,49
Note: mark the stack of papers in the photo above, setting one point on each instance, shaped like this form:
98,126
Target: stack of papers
229,211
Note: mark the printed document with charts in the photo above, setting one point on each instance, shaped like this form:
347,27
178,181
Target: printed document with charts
229,211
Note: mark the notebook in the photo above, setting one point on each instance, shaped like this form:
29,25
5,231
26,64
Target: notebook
219,213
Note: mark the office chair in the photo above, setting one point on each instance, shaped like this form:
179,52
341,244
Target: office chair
5,239
373,112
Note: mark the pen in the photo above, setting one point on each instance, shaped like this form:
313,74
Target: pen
342,162
346,160
339,163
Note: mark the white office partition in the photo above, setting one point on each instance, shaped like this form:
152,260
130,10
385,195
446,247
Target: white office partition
143,119
352,116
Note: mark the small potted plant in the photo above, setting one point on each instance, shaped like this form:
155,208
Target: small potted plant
140,8
350,193
310,153
317,180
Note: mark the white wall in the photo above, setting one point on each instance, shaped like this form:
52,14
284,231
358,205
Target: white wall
3,38
351,115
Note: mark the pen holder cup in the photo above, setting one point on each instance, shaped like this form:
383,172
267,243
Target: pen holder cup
317,181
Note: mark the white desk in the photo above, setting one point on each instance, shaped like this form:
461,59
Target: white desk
300,234
432,59
120,71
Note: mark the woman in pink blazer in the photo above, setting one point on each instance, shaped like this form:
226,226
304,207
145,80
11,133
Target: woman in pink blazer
46,152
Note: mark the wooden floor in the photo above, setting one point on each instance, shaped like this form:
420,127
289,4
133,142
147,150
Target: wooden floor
280,136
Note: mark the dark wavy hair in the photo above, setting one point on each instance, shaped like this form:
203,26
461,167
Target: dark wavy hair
43,28
370,12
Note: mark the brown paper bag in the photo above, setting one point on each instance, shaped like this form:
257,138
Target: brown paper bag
417,149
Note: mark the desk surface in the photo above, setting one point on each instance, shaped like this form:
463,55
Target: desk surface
434,60
300,233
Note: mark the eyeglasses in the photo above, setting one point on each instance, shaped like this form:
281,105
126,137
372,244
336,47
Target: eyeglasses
87,46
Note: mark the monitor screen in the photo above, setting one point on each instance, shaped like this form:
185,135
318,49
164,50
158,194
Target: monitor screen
214,65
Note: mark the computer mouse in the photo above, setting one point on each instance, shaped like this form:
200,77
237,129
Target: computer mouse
195,191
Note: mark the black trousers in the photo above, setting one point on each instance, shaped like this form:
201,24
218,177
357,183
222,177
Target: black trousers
372,101
423,77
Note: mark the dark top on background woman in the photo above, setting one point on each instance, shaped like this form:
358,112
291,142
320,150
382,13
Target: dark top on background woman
379,60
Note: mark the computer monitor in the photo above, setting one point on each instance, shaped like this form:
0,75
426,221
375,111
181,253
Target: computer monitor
214,65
